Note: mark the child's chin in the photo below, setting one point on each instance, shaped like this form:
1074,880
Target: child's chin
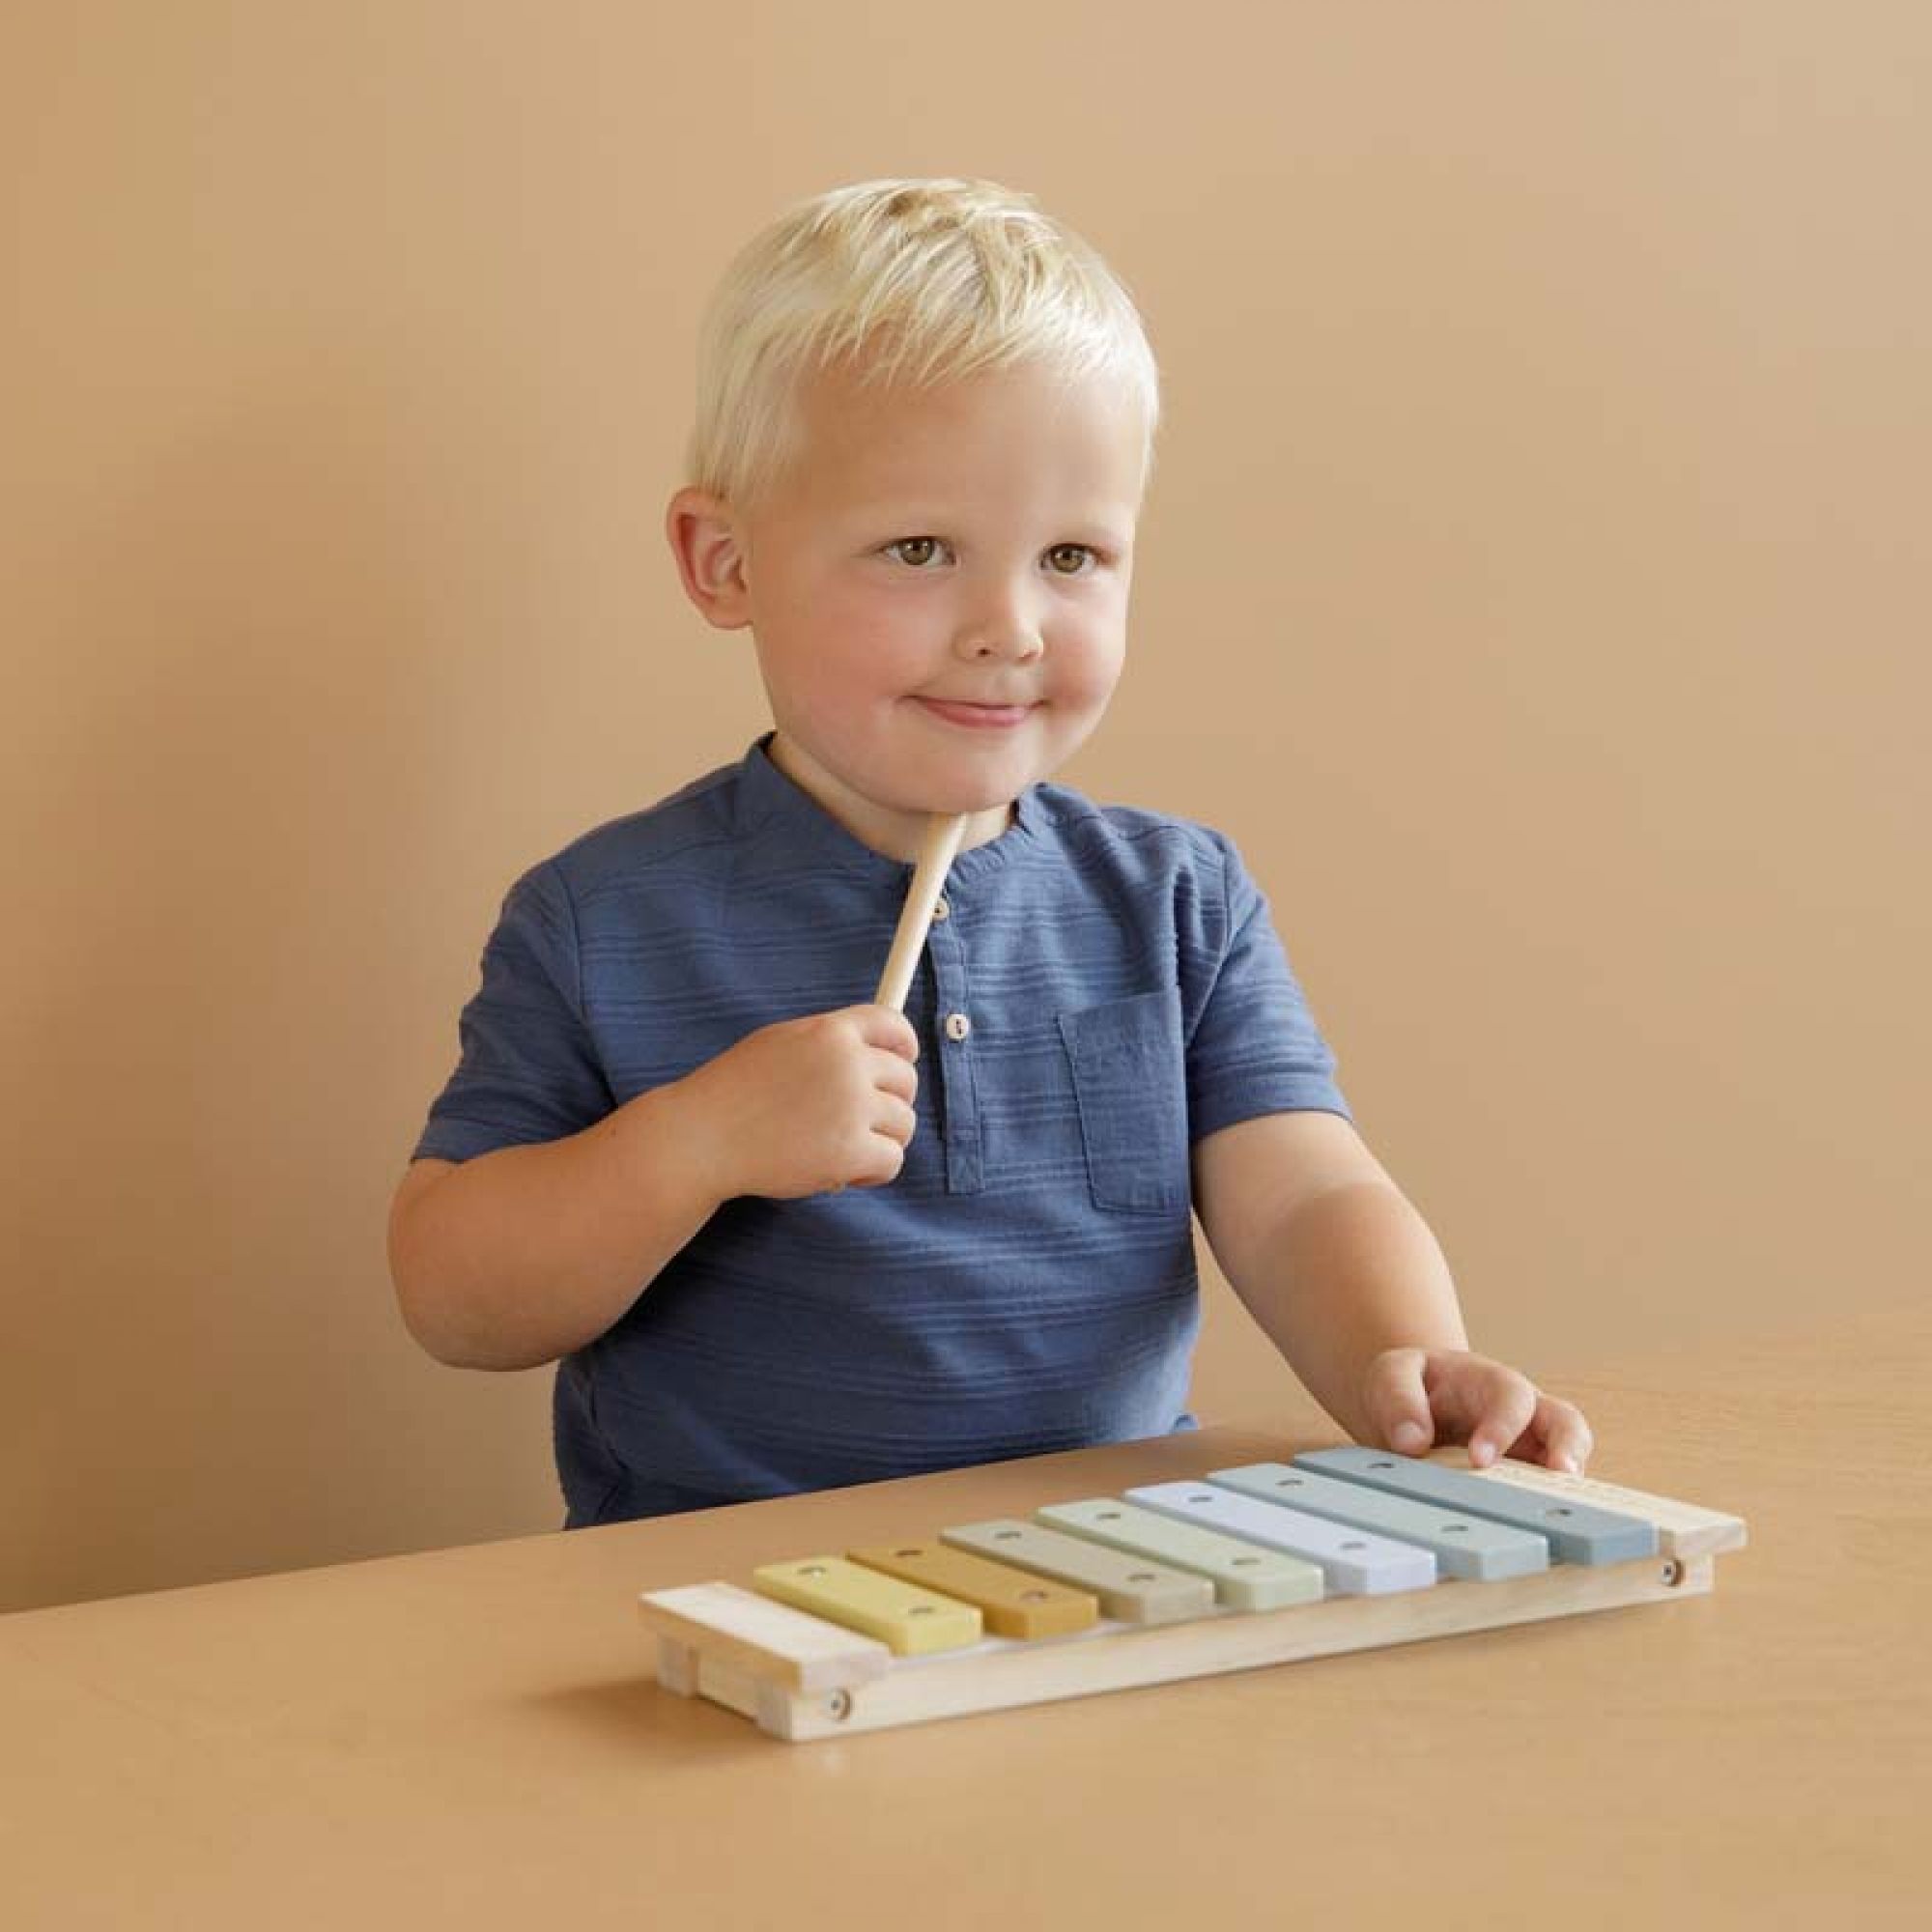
957,799
947,782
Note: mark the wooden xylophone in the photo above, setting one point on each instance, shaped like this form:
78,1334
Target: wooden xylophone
1341,1548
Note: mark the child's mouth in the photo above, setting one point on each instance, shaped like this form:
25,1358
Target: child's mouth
976,716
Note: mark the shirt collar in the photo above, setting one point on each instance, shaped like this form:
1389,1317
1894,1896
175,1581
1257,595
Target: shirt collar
772,806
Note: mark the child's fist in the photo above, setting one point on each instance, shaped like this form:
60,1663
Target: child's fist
1416,1397
808,1105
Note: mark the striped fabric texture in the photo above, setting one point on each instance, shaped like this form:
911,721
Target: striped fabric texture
1105,988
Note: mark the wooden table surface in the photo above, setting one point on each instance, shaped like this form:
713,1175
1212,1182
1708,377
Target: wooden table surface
474,1737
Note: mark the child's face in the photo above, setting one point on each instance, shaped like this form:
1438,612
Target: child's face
939,593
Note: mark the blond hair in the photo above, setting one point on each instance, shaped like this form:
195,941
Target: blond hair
919,281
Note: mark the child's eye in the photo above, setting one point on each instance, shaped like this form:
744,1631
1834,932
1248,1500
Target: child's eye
916,553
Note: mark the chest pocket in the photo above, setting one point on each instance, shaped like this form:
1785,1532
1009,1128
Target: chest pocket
1129,1078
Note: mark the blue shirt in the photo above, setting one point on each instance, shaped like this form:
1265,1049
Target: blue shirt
1104,988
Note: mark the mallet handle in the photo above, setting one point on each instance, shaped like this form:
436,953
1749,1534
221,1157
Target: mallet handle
936,853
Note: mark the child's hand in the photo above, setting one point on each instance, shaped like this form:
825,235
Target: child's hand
1416,1397
808,1105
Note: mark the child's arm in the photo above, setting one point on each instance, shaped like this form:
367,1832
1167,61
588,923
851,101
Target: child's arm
1345,1279
519,1256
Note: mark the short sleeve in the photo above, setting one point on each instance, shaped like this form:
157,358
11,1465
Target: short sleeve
1254,1048
529,1070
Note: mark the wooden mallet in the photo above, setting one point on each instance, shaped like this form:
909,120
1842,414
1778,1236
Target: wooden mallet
936,852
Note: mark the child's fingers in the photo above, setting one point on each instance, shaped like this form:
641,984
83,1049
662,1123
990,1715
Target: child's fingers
1396,1403
881,1026
1509,1407
880,1167
893,1075
1567,1441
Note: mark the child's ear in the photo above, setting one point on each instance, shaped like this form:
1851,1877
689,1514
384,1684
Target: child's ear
710,552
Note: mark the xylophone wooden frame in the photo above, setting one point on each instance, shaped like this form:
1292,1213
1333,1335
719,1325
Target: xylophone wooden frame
721,1643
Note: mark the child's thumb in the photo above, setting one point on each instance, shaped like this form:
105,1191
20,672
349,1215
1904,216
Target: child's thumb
1397,1403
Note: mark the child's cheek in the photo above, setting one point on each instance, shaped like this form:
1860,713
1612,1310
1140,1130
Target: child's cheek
1088,677
866,643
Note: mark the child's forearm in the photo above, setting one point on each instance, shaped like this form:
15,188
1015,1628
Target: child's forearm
521,1256
517,1256
1351,1273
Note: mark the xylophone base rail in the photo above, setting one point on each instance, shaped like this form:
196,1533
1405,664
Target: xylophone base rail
999,1674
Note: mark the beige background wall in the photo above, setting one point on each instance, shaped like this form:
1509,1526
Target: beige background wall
1535,583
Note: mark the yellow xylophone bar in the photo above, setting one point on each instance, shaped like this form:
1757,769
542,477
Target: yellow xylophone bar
871,1639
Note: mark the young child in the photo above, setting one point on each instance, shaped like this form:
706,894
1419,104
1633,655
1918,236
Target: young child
779,1238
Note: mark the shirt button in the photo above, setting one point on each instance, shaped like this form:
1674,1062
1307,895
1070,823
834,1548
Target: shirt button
940,909
957,1026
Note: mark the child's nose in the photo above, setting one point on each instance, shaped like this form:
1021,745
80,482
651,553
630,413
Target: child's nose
1003,643
999,621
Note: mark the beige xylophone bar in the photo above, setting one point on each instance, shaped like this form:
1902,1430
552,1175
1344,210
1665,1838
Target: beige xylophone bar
1174,1581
